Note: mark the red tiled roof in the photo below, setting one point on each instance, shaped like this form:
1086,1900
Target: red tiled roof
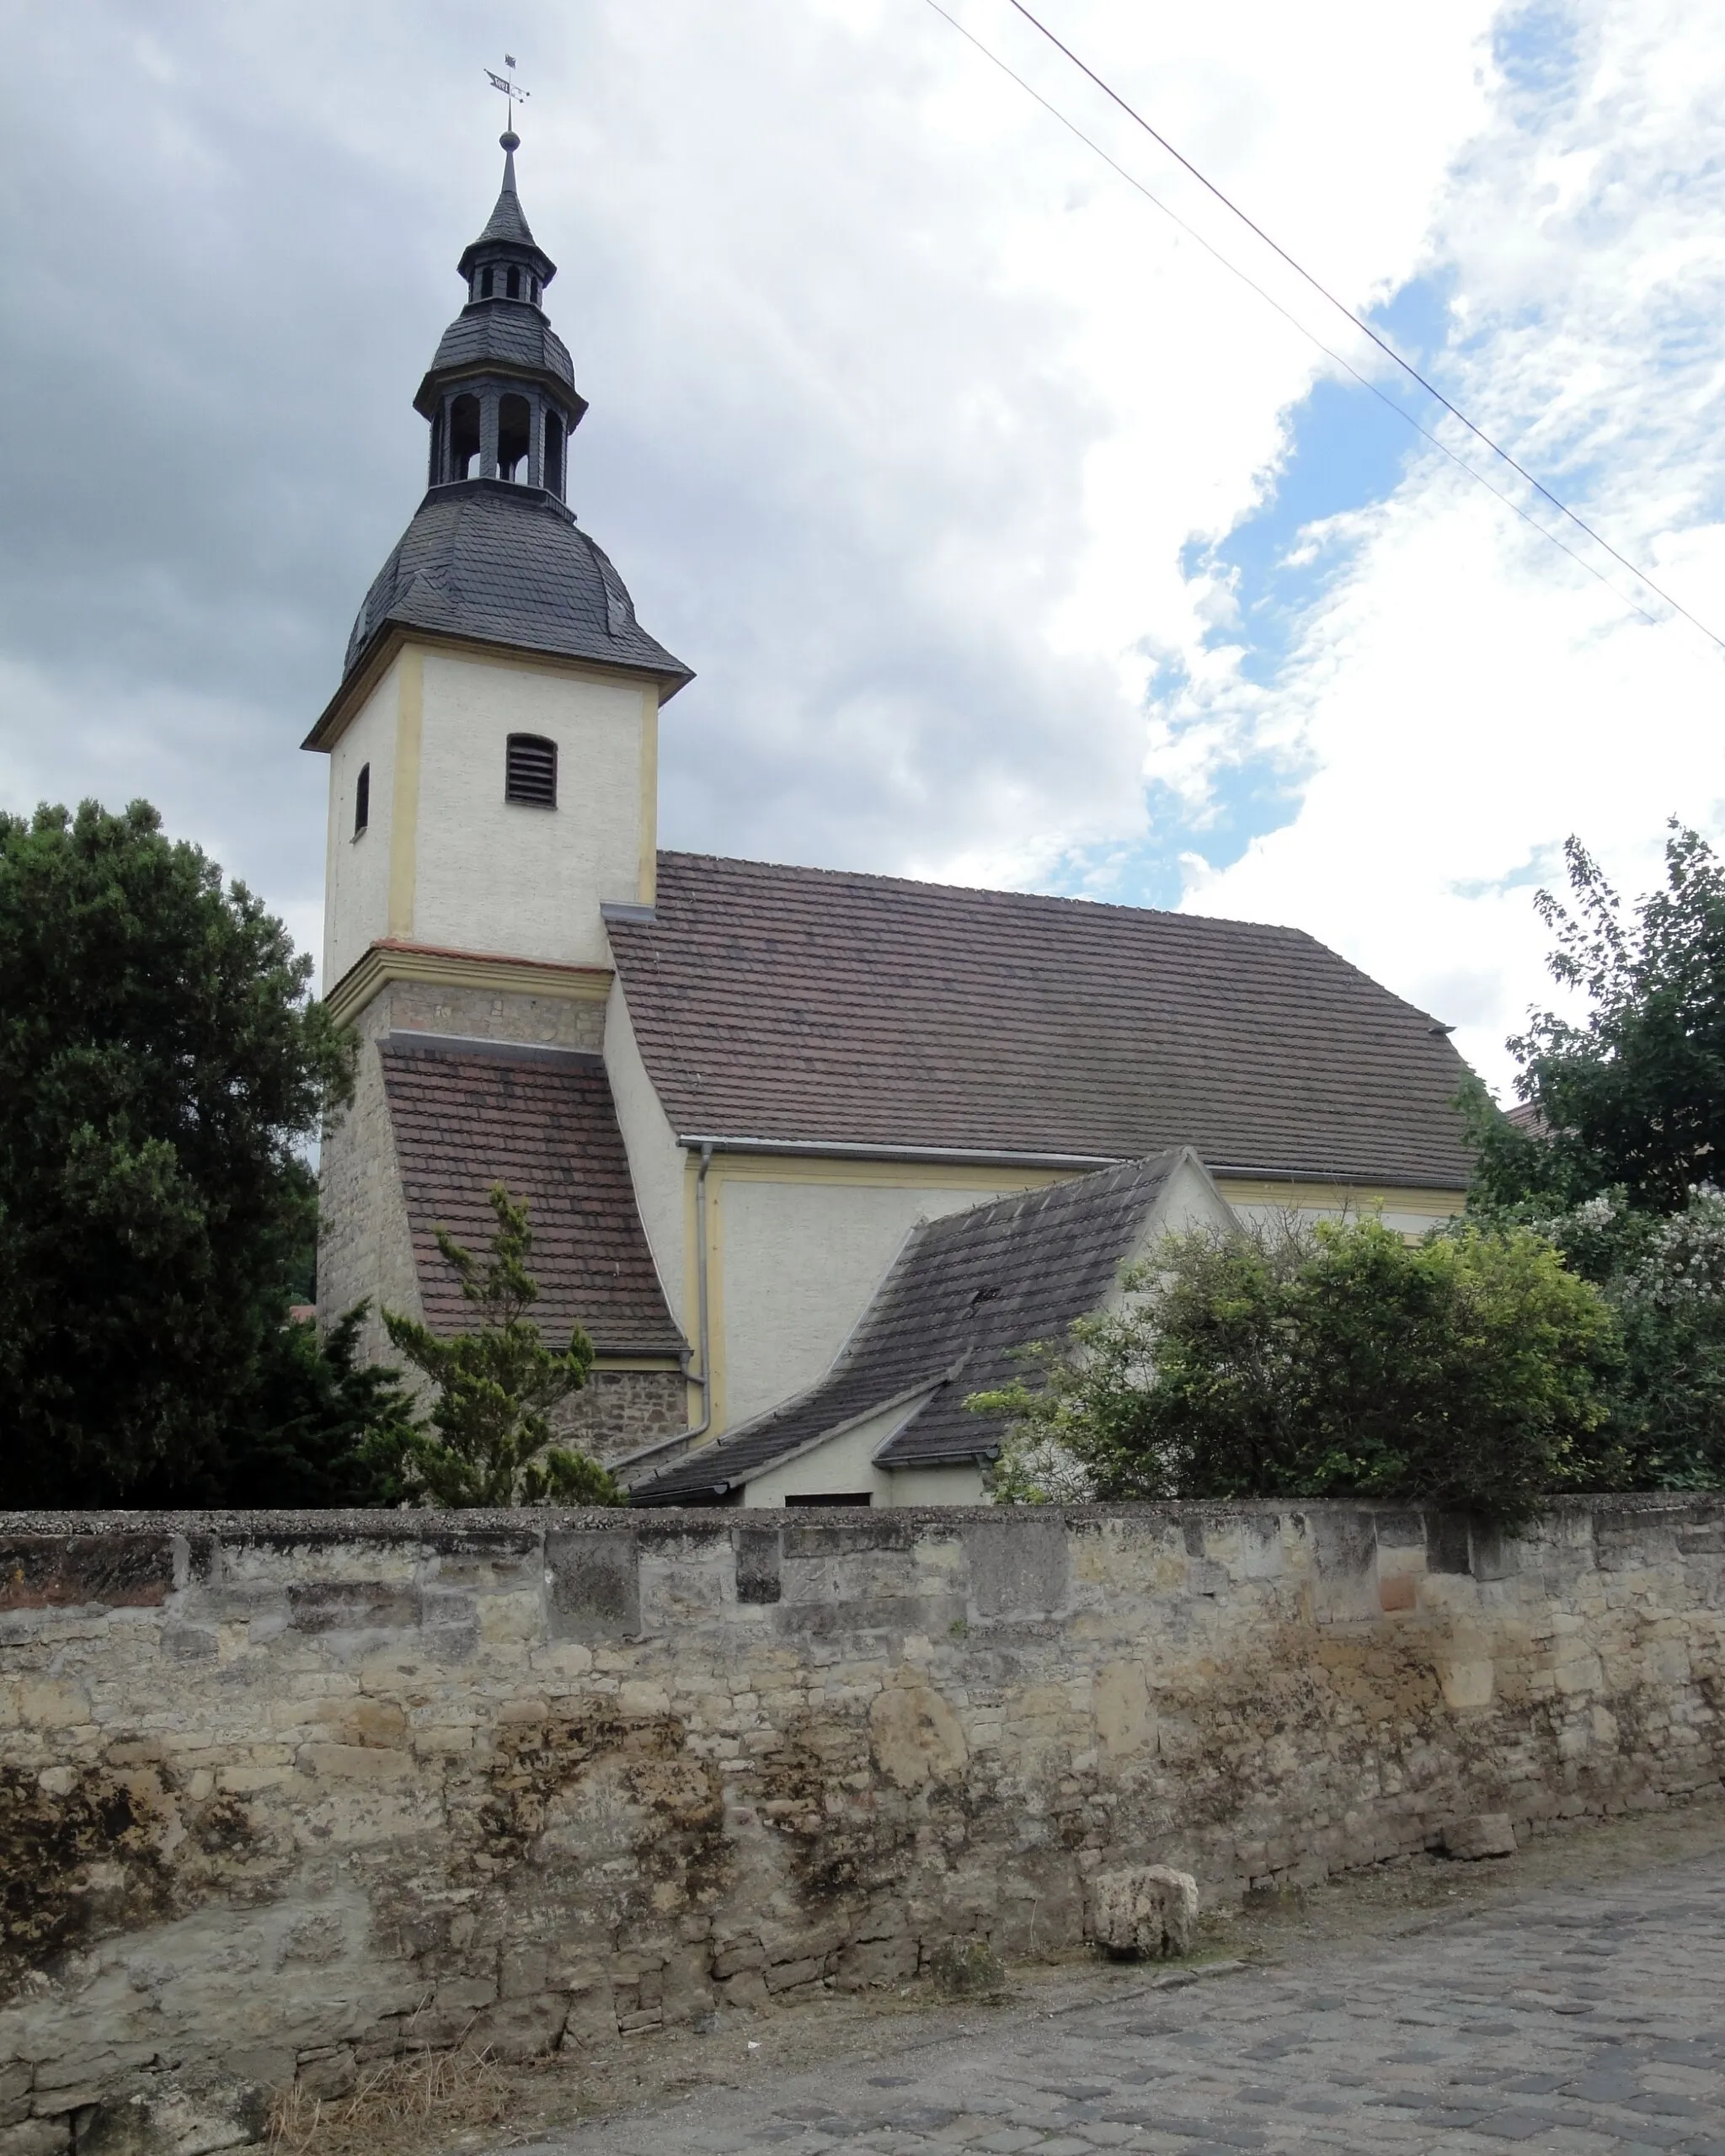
807,1004
541,1122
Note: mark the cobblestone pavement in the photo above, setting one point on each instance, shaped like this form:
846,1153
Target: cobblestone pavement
1583,2022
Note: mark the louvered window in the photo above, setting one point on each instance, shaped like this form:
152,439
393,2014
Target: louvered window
531,771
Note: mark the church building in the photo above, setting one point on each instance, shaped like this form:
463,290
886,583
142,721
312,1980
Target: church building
807,1152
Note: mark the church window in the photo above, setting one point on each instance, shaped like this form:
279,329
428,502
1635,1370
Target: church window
515,283
553,454
530,770
514,437
463,437
362,799
485,284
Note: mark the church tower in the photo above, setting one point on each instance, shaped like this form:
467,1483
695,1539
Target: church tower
493,755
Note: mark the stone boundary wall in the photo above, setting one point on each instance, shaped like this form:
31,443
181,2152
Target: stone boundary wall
283,1793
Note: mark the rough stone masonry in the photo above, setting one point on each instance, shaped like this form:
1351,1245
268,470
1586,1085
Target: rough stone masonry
282,1794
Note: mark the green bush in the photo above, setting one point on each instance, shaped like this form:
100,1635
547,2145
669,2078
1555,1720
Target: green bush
1333,1361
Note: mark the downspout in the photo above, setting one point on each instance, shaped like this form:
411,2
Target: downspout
703,1336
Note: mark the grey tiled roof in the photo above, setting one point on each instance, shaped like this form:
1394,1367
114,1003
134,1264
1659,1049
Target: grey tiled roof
508,222
466,1116
502,333
810,1006
506,564
507,225
964,1291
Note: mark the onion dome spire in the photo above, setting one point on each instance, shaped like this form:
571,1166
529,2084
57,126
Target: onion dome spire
500,394
493,554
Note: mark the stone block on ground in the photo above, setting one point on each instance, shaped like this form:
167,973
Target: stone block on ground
967,1968
174,2118
1143,1913
1485,1833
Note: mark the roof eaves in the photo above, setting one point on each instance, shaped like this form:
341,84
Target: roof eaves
392,633
917,1393
843,1149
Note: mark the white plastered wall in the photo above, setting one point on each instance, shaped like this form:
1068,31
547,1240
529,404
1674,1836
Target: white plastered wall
496,876
657,1163
844,1466
1410,1213
801,1245
356,867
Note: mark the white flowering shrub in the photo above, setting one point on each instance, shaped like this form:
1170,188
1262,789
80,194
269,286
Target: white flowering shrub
1664,1280
1034,1468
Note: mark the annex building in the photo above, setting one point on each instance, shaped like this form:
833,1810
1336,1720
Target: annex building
807,1152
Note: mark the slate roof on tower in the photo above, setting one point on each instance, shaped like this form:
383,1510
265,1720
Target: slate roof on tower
963,1294
809,1006
497,563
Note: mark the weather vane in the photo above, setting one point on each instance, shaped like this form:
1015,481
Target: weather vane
511,88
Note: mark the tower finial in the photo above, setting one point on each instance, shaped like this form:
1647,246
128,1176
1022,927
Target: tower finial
516,95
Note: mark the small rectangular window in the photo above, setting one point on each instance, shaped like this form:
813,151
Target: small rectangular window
530,772
362,799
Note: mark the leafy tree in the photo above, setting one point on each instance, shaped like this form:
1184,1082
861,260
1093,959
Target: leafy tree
1338,1361
320,1427
488,1442
161,1064
1632,1097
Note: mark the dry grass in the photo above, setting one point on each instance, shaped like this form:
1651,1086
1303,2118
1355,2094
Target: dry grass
455,2089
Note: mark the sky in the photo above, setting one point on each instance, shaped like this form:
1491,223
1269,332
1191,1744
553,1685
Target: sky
1014,538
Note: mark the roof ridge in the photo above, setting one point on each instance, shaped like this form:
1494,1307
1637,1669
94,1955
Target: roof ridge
928,884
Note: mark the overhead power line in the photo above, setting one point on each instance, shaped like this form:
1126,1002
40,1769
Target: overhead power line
1311,337
1341,307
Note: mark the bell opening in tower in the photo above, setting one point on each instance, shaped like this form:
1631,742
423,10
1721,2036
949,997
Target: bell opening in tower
463,437
554,453
514,438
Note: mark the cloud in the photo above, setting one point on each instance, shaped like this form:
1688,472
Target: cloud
1465,696
1013,540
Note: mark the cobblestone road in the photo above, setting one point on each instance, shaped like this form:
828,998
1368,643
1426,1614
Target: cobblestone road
1587,2022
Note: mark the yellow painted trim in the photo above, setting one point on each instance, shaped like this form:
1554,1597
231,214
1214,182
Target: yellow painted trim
883,1174
648,885
386,962
715,1294
1337,1197
404,816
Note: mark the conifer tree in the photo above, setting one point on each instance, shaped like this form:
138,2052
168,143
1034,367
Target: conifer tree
489,1438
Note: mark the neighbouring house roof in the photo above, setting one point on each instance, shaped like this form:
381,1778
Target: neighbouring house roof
467,1114
804,1005
965,1290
